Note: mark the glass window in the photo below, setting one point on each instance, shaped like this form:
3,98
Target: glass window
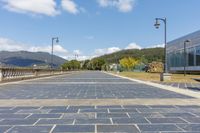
198,56
191,57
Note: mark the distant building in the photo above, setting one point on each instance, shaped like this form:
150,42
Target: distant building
175,54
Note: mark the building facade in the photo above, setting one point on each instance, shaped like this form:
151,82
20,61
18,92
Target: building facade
176,56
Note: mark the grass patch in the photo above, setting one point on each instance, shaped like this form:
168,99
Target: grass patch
155,77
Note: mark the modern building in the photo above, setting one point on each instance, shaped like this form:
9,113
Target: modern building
177,59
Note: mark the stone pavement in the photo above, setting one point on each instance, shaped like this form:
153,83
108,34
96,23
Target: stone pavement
95,102
190,86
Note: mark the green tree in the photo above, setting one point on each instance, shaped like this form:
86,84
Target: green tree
128,63
96,64
71,65
86,65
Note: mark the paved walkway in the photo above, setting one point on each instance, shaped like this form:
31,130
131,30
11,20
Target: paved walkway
95,102
190,86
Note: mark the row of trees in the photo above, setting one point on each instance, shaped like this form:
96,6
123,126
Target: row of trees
127,63
94,64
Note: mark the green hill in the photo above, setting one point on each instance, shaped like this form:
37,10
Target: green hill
28,59
147,54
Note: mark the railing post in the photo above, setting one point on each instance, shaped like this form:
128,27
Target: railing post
1,74
35,72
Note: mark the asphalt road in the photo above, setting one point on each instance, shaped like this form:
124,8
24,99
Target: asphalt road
85,86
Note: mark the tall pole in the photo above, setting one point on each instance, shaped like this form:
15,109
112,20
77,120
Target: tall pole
52,53
165,62
52,41
157,24
185,58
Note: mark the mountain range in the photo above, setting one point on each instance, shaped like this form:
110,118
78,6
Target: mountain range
28,59
147,55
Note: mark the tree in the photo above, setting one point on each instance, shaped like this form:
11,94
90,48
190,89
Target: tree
85,64
96,64
128,62
71,65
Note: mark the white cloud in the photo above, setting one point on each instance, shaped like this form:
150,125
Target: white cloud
121,5
70,6
99,52
157,46
44,7
133,46
58,49
77,52
10,45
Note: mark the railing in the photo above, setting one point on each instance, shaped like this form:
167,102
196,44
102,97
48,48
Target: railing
23,73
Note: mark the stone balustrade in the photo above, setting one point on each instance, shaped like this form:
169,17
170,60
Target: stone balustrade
23,73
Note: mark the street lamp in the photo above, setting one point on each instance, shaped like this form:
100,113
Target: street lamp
157,25
185,55
76,56
53,38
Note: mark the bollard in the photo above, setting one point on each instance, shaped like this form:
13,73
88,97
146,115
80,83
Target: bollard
1,75
36,73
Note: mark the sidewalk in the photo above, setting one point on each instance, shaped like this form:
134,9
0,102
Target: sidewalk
190,86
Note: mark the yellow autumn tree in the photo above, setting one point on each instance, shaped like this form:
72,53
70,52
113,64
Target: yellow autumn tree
128,62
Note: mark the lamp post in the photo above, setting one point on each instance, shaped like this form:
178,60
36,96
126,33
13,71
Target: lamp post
157,25
53,38
76,56
185,55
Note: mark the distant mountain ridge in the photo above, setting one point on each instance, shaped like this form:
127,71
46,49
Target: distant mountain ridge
149,54
28,59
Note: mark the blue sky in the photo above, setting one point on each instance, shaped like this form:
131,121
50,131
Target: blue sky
93,27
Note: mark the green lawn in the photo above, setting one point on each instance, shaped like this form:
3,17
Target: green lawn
155,77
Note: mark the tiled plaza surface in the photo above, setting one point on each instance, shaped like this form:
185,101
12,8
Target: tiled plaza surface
190,86
111,118
88,85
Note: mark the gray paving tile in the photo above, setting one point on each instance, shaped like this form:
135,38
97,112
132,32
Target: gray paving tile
190,127
129,120
79,116
178,115
149,115
7,111
166,120
18,122
80,107
35,116
112,115
31,129
122,110
109,107
25,108
55,107
135,106
162,106
92,121
93,110
55,121
162,110
35,111
117,129
13,116
4,128
74,128
192,119
64,111
158,127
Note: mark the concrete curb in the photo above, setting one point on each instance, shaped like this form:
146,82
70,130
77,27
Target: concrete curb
164,87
